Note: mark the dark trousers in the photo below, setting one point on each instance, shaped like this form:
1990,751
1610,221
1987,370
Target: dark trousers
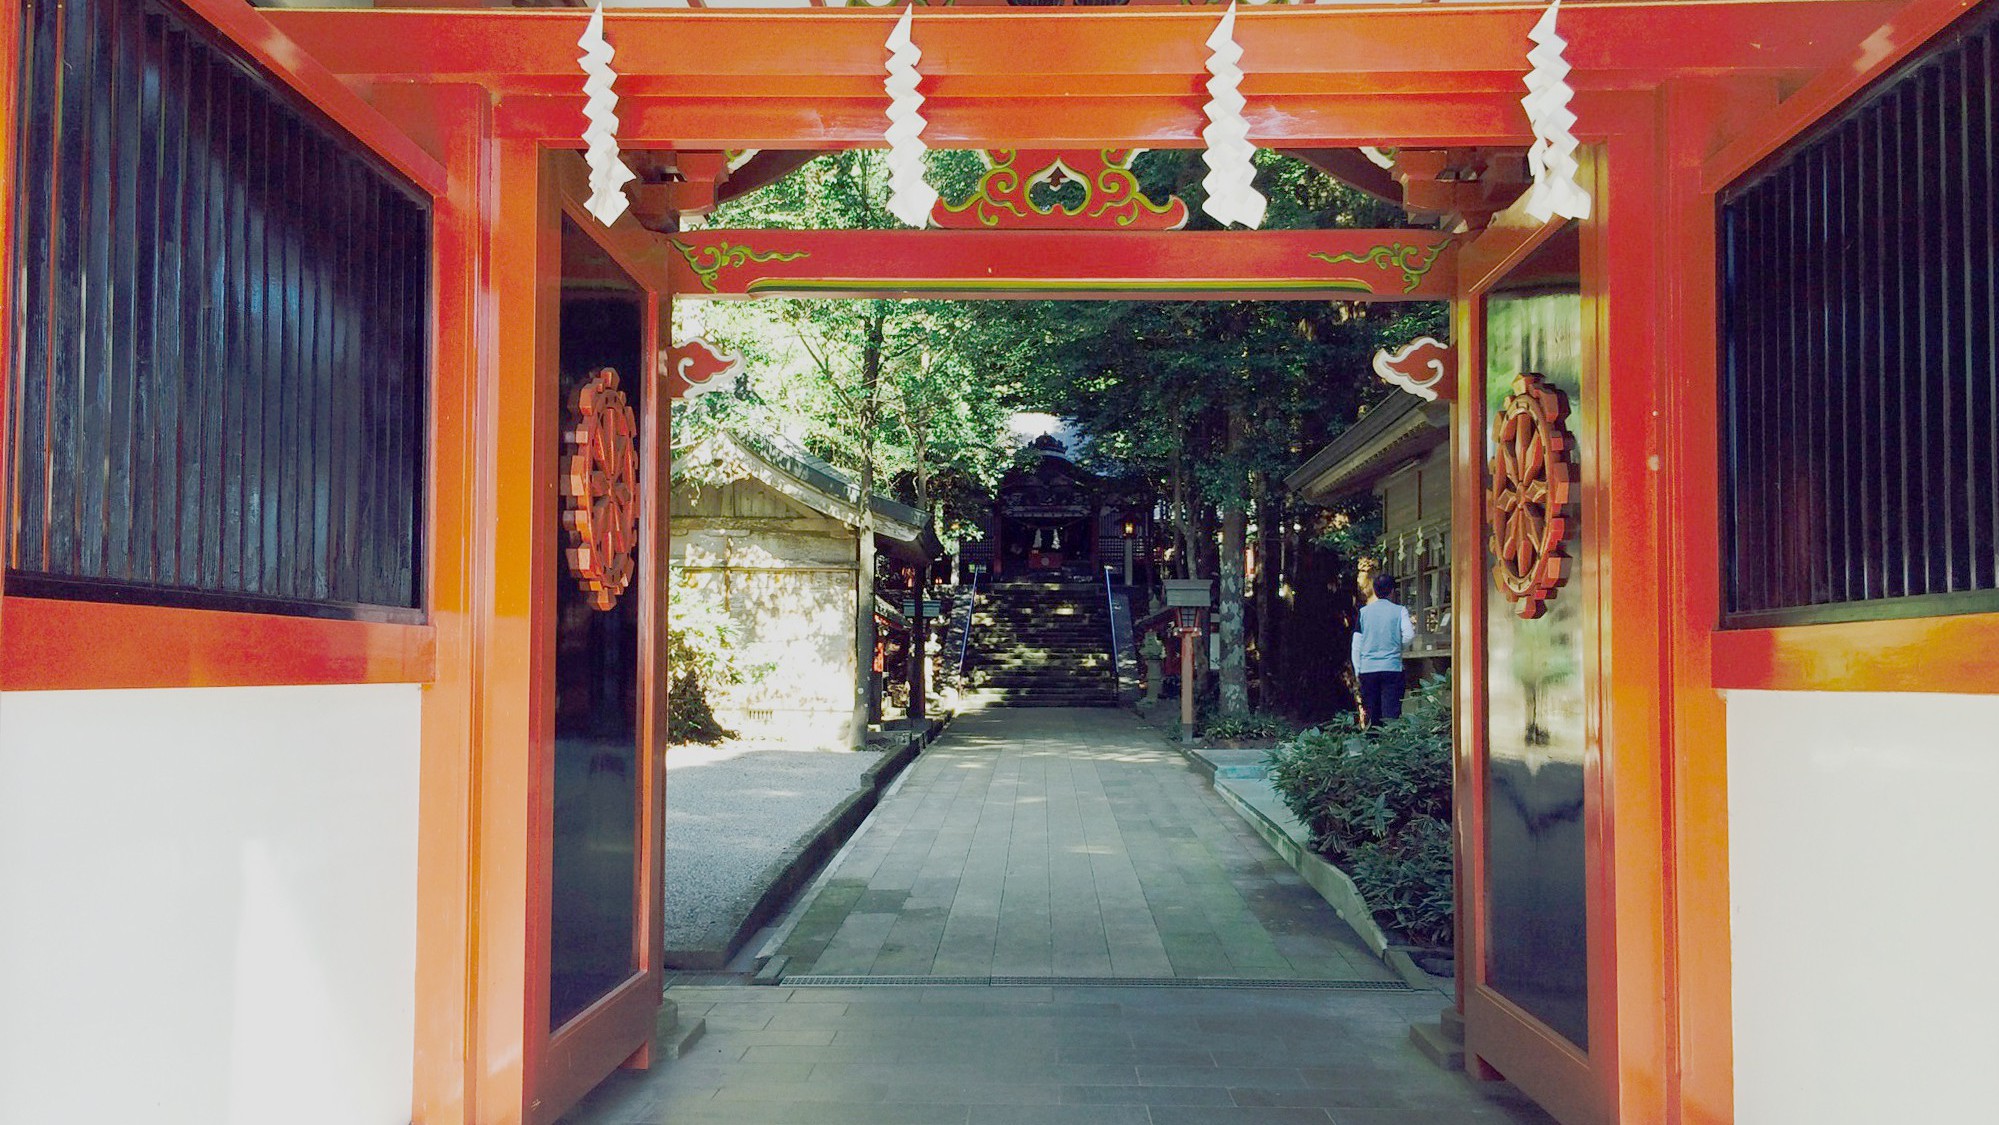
1381,696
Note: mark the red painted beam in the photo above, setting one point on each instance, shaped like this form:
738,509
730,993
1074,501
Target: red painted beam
824,123
1385,265
53,644
1429,74
832,51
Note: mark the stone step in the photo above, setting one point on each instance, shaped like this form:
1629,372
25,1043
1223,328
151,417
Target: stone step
1079,639
1453,1023
1039,658
1041,667
1068,687
1040,629
676,1036
1058,624
1436,1044
1029,662
1028,649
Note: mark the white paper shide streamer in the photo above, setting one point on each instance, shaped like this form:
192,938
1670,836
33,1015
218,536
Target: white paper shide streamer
1232,195
608,174
910,197
1552,159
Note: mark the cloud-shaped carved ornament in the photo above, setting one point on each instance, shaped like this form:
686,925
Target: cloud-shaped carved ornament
1425,367
697,367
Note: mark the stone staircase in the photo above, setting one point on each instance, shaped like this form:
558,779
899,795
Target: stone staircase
1043,642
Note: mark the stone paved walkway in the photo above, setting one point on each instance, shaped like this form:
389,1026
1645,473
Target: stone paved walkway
1038,1055
1060,842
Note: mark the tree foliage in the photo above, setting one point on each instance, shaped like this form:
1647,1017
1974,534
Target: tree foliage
1207,404
1211,403
899,386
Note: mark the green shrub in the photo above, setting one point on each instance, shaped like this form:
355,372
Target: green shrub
1253,725
1378,804
1408,880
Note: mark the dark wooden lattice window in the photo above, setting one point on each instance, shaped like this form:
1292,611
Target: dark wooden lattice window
220,334
1860,389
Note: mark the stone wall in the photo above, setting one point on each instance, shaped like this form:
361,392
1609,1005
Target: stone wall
786,576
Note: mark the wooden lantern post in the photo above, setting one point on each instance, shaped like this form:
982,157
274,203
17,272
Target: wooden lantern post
1188,636
1189,599
1130,533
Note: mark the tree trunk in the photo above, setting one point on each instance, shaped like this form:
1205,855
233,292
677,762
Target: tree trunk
919,658
918,669
1228,613
1285,668
1207,521
864,556
1183,520
864,609
1268,534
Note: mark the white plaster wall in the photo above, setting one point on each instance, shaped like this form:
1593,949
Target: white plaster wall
208,906
1864,889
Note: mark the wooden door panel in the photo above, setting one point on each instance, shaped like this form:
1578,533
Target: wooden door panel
1536,937
598,821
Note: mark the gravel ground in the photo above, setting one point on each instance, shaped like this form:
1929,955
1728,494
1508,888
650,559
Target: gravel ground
731,811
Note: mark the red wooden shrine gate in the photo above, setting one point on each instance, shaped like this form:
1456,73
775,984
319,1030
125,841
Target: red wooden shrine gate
484,107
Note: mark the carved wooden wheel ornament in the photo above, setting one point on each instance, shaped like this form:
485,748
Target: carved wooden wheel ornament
600,494
1528,507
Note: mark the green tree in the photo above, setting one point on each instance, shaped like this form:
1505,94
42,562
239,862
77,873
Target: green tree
1214,402
1207,404
890,390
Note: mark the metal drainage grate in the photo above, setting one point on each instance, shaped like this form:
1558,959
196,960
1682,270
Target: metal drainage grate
817,981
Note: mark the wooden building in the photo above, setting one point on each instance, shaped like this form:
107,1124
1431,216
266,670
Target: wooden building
1399,452
772,534
305,309
1051,514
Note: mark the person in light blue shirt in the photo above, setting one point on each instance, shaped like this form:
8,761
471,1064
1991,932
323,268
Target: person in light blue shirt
1378,638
